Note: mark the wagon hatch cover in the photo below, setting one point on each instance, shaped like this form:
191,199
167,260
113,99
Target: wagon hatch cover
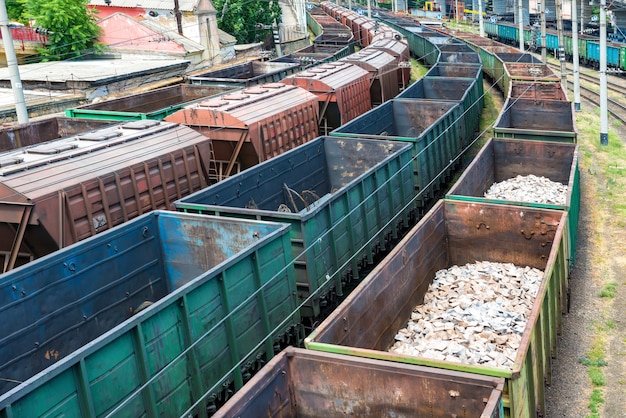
213,103
255,90
236,96
100,135
10,161
274,85
141,124
52,149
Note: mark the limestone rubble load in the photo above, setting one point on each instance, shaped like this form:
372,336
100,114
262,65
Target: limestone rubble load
473,314
529,188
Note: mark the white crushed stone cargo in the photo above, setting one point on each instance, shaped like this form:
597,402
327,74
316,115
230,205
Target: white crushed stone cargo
473,314
530,188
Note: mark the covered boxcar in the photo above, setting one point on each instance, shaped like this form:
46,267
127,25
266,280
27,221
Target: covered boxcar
60,192
343,91
453,234
344,198
314,384
254,124
146,318
383,73
400,51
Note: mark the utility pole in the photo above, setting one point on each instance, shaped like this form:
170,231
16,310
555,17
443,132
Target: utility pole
520,24
582,17
575,58
14,72
561,51
369,8
542,14
604,105
481,24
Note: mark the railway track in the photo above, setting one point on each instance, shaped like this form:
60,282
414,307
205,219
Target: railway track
616,108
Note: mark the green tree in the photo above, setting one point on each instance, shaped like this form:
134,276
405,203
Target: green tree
241,17
71,27
16,10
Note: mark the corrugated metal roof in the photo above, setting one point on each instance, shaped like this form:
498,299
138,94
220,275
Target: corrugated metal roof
334,75
184,5
372,60
65,162
244,107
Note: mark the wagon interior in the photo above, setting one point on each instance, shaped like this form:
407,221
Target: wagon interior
296,180
439,88
157,99
398,118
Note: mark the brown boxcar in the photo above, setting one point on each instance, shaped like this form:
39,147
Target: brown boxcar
306,383
382,69
400,51
254,124
343,91
55,194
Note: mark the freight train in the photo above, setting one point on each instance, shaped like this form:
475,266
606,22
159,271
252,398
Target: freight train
588,46
194,304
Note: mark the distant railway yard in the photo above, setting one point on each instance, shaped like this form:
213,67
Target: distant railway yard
320,234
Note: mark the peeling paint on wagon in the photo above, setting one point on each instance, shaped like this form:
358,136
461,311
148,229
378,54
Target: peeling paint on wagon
502,159
116,317
306,383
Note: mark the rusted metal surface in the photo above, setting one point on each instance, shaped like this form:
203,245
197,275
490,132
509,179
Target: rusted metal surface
454,70
400,51
316,54
32,133
503,159
305,383
84,184
153,100
547,120
342,89
247,74
144,294
254,124
382,68
456,233
534,81
517,57
538,90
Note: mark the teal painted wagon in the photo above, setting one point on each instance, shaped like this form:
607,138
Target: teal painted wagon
345,199
144,319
